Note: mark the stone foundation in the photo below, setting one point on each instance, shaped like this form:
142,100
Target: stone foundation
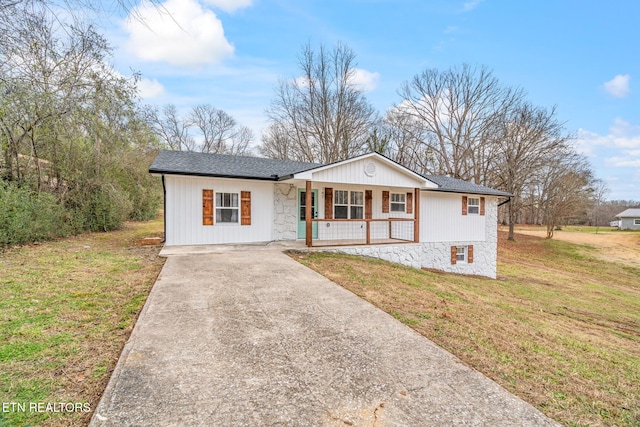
430,255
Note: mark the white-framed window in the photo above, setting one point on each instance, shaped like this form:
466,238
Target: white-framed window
636,222
227,208
348,204
462,254
398,202
357,205
473,205
341,204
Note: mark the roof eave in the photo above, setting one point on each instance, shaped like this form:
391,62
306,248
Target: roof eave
308,174
480,193
213,175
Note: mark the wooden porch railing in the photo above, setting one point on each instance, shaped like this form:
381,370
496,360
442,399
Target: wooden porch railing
351,237
368,221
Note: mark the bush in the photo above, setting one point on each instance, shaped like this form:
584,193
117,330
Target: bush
106,209
27,216
146,199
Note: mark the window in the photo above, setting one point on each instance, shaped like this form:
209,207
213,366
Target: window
636,222
347,205
227,208
357,205
473,205
341,204
398,202
461,254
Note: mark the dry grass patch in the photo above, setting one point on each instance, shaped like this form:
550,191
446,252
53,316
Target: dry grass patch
66,310
558,328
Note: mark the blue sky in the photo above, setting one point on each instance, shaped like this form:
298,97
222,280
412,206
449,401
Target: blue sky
582,56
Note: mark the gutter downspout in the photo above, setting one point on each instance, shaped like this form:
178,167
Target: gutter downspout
499,204
164,210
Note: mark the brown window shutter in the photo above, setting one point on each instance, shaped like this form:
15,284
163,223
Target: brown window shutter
245,208
470,254
481,205
454,252
409,203
368,198
207,207
385,202
328,203
464,205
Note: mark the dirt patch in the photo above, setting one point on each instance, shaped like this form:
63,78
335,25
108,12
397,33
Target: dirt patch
616,246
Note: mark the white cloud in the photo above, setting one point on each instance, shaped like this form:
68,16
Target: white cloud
623,162
229,6
470,5
618,86
179,32
621,147
615,156
150,88
366,80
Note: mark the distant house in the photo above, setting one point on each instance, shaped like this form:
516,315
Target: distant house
368,205
629,219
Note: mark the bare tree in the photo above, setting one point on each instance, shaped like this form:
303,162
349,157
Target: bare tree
217,131
241,142
172,130
322,115
407,141
277,144
220,131
528,139
599,191
454,114
565,190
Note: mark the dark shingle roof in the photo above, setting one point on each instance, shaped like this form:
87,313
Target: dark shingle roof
453,185
229,166
222,165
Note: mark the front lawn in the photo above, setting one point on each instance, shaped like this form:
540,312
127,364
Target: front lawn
559,328
66,310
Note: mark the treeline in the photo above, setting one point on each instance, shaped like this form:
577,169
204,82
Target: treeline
461,122
74,146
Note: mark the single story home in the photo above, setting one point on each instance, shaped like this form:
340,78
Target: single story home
367,205
629,219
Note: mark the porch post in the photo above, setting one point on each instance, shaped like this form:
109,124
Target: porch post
416,216
307,215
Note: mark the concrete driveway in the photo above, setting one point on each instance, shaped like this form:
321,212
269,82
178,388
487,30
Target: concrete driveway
247,336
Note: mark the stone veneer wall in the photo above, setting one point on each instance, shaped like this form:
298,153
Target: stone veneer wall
285,218
437,255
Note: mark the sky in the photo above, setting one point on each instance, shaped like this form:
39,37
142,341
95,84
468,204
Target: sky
581,56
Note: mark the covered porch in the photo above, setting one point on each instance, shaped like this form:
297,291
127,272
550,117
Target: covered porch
350,217
367,200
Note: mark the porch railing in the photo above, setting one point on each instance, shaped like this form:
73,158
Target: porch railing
346,232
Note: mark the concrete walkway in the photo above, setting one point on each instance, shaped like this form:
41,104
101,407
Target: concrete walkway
247,336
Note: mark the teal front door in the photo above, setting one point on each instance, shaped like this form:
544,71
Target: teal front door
302,209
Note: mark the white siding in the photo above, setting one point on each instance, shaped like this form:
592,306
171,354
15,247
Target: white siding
437,255
357,230
441,218
354,173
628,224
376,201
184,211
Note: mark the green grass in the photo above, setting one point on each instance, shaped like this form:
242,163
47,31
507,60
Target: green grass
66,309
559,327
